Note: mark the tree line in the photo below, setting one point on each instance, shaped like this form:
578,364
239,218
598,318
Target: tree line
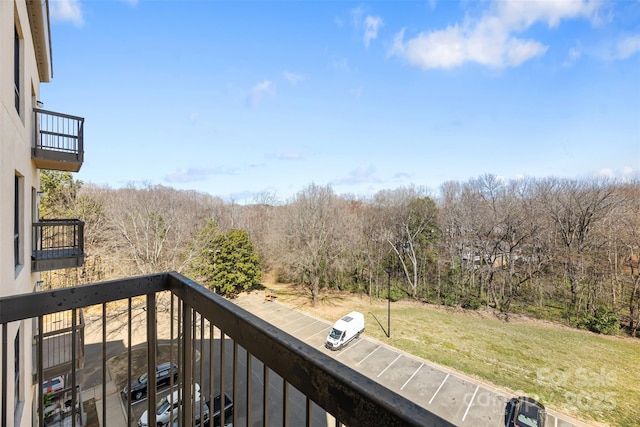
560,249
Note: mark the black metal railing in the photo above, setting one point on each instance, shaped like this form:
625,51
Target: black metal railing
57,332
57,243
271,377
59,141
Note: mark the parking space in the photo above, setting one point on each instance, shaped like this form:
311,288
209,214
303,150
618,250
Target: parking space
403,372
317,336
486,408
453,396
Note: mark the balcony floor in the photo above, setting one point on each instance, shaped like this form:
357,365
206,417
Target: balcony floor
56,253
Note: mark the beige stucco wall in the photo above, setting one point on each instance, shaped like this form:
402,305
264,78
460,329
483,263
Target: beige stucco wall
16,135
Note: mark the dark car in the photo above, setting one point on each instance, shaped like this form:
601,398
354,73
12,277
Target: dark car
228,409
524,412
138,386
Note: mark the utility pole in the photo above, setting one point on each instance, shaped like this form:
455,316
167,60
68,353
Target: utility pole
388,271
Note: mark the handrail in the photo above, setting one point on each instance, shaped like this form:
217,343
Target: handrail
25,306
53,113
348,395
351,397
59,132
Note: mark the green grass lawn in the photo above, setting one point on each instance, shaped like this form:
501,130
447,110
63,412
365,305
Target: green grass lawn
590,377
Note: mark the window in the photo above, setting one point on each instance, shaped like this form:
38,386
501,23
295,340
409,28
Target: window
16,222
16,346
16,68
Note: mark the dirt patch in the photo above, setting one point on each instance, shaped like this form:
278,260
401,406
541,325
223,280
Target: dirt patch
92,413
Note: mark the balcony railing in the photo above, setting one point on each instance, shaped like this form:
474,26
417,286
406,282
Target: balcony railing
57,243
271,377
57,333
59,141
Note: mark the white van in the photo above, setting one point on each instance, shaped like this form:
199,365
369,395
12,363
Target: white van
344,330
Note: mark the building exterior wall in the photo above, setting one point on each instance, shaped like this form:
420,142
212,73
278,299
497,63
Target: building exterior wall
16,138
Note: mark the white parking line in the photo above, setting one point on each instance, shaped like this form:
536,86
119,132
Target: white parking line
348,347
320,331
299,329
293,321
470,403
411,377
389,365
434,394
365,358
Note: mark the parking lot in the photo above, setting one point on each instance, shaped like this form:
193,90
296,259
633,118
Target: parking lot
455,397
208,376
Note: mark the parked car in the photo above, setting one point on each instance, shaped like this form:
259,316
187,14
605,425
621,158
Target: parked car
228,409
138,386
524,412
58,420
168,405
53,385
199,420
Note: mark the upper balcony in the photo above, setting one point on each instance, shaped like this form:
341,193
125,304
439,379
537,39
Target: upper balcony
59,141
57,243
271,377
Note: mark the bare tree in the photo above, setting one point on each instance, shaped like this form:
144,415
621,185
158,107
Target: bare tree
630,247
409,227
575,207
305,234
149,228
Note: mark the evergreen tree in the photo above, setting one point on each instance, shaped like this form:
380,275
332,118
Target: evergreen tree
60,194
225,262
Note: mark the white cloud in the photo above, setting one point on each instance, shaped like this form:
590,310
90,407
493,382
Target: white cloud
625,173
359,175
292,78
66,11
341,65
196,174
606,173
259,91
356,15
287,156
572,56
627,47
371,26
520,15
356,91
490,40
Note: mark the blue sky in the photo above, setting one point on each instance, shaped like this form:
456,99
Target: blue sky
238,98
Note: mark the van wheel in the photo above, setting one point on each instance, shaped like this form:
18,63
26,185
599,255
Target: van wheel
137,395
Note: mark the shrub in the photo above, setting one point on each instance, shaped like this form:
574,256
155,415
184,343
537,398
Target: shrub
603,321
471,303
396,294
